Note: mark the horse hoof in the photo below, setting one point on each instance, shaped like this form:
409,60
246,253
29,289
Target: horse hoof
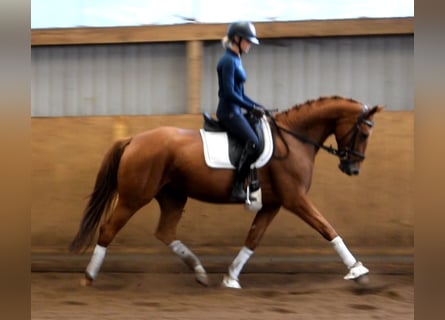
362,280
85,282
229,282
356,271
202,278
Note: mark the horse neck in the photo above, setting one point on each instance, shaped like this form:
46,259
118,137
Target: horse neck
317,120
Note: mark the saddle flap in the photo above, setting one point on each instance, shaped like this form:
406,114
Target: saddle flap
223,151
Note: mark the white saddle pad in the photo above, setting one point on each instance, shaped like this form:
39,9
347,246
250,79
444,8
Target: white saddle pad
216,148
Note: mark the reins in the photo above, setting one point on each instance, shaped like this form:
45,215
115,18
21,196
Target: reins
330,149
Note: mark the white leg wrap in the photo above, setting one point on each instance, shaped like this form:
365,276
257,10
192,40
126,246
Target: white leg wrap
186,255
96,261
191,260
238,264
344,253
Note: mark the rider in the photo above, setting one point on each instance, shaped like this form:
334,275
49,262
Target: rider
231,77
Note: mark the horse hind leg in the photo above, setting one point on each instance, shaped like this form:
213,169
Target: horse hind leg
108,230
172,203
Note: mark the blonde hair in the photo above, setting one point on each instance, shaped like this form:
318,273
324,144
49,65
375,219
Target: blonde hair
226,43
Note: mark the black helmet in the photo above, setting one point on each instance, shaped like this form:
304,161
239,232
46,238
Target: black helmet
243,29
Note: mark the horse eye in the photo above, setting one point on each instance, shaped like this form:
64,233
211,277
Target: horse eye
363,136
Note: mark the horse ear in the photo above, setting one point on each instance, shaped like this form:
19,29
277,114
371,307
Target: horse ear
374,109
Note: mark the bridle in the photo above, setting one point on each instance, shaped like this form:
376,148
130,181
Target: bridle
345,154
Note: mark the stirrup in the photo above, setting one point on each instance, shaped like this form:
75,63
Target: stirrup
254,200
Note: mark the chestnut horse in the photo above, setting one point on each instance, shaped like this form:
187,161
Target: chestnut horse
168,164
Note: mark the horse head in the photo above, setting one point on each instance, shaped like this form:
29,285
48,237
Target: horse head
352,139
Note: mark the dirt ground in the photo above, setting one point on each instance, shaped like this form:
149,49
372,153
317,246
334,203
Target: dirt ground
57,295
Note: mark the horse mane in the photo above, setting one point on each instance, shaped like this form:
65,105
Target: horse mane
309,105
316,102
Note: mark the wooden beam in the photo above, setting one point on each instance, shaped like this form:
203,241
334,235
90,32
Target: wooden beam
328,28
206,32
194,71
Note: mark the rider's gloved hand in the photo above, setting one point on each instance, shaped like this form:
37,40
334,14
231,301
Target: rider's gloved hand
258,111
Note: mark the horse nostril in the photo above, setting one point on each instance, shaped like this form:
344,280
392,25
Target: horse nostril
345,168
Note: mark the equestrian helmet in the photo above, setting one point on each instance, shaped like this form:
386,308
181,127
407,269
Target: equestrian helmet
243,29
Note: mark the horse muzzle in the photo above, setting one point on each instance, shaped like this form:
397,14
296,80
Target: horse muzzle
351,168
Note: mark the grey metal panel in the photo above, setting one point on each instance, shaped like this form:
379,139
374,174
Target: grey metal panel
108,80
151,78
281,73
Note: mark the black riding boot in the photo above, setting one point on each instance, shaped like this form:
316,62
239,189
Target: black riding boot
242,170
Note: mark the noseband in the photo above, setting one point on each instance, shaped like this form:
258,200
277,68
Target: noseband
343,154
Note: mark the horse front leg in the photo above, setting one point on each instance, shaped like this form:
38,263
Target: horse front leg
258,227
304,208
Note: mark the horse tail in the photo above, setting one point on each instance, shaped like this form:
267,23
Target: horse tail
102,197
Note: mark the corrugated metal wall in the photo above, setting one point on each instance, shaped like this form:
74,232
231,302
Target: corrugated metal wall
151,78
108,80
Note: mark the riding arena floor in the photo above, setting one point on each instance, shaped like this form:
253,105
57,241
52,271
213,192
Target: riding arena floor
308,292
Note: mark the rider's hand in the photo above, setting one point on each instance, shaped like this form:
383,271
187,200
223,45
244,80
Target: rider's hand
258,111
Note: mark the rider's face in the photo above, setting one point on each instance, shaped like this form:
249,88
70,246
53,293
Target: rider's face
245,45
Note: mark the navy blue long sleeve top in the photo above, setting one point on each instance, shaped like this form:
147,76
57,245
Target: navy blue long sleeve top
231,78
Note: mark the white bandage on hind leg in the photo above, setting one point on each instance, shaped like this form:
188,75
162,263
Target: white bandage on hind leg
186,255
96,261
238,264
344,253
